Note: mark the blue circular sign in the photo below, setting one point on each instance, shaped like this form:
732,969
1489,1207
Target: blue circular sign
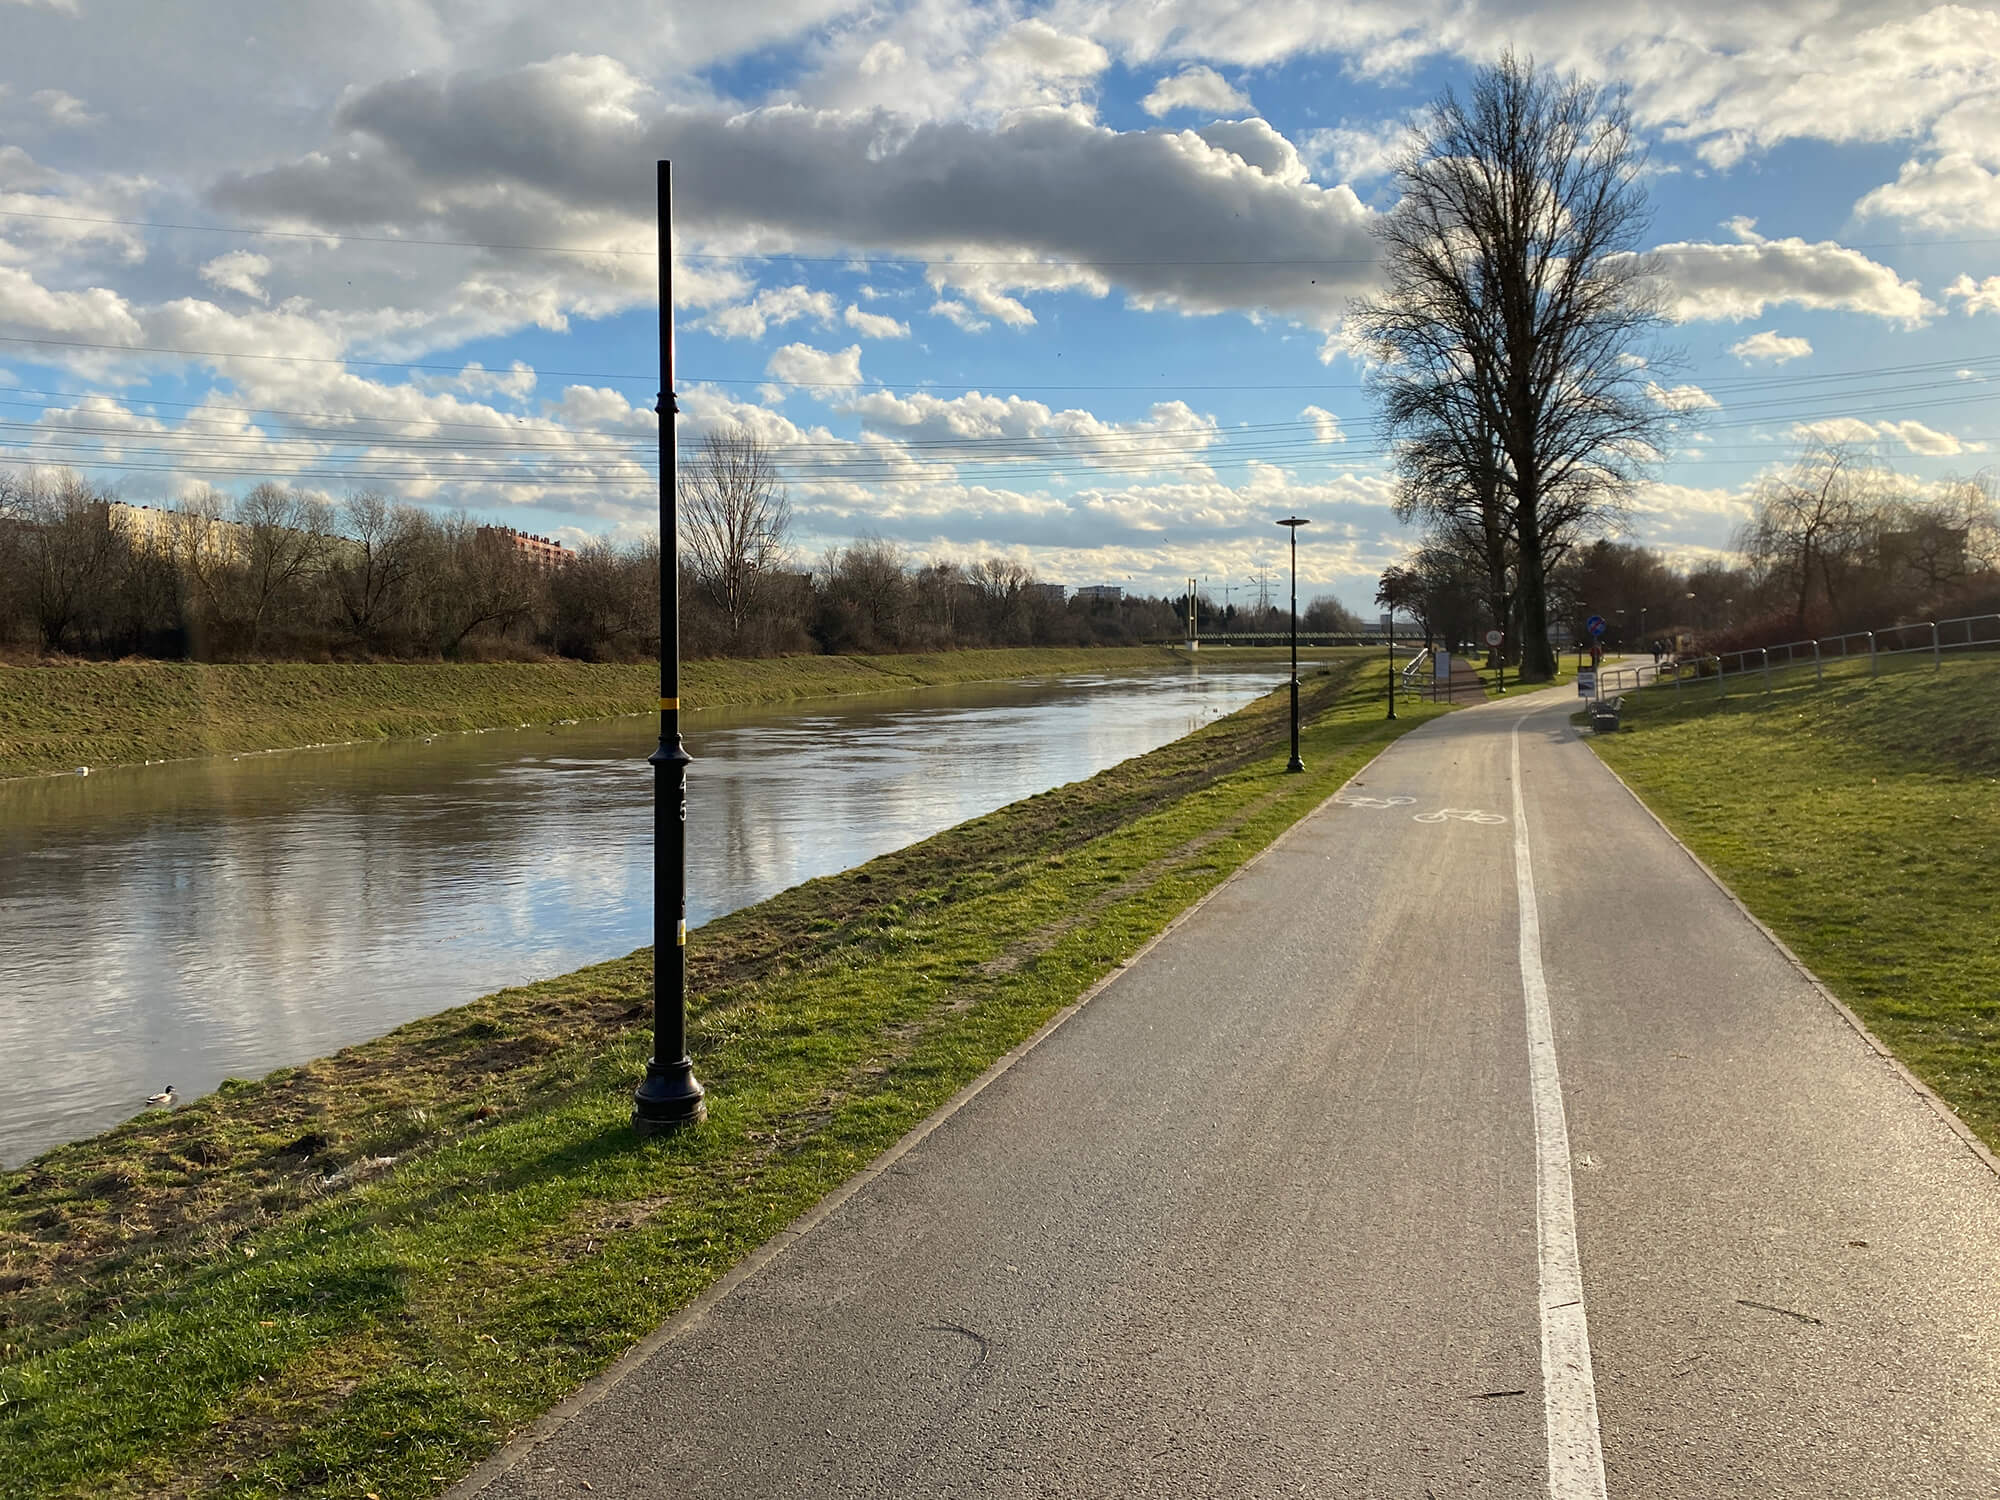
1595,624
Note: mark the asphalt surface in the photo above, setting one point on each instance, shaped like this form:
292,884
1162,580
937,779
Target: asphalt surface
1262,1218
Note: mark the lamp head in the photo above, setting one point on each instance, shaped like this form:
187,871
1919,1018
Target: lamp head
1295,521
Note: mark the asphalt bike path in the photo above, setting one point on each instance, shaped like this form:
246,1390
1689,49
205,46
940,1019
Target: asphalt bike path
1469,1142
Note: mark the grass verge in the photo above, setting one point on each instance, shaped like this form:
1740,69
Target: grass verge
1860,820
55,718
361,1276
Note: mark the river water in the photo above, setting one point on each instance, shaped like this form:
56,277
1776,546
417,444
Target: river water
217,918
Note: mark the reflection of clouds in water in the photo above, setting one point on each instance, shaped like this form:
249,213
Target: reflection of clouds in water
187,922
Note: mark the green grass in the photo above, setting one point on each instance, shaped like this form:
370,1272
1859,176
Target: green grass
1861,821
201,1304
58,717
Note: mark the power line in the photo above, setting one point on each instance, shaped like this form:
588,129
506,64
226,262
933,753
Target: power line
861,258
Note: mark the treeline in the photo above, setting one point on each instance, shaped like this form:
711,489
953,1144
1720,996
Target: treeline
1839,543
280,573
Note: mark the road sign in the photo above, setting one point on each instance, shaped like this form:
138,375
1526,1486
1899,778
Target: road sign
1586,682
1493,637
1595,624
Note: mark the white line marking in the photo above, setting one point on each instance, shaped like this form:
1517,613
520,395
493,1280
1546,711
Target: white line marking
1569,1391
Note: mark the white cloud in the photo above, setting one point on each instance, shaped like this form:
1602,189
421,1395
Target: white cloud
875,325
1918,438
1975,296
1915,437
1255,143
63,109
774,306
803,365
1357,153
1682,398
1036,48
1769,344
1199,88
451,155
959,313
1326,426
239,271
1734,282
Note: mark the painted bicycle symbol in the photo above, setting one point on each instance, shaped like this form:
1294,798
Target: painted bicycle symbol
1358,799
1459,814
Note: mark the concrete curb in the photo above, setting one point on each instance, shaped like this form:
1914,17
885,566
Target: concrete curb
600,1385
1874,1043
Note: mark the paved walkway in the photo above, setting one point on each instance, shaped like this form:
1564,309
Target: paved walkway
1408,1166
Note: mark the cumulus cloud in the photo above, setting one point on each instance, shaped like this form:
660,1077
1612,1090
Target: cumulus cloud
1768,343
541,143
1326,426
803,365
1198,88
1357,153
1914,437
239,271
1725,78
1255,143
1733,282
875,325
769,308
1681,398
1975,296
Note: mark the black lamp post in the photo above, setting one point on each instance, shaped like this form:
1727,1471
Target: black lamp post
669,1096
1392,661
1293,523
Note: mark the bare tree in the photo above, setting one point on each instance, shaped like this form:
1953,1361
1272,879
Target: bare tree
864,597
286,535
734,519
1513,296
1809,529
373,571
69,551
471,581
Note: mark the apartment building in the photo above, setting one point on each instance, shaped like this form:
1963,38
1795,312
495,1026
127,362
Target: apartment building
545,554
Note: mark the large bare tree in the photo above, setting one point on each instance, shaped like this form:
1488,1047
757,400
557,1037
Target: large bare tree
1514,303
734,519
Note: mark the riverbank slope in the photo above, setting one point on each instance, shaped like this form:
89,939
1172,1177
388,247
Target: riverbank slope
58,717
362,1275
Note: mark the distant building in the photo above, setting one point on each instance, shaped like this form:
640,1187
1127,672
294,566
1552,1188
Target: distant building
546,555
182,534
1110,592
1051,593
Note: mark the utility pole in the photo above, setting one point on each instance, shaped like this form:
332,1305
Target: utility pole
669,1096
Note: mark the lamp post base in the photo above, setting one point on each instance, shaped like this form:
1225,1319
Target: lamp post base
668,1098
1296,765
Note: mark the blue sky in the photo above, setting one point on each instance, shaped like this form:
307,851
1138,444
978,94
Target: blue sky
1061,282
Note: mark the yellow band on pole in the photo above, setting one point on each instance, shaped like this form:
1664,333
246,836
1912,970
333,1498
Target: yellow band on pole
670,705
684,933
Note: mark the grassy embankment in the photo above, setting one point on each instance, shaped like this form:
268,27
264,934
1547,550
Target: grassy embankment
55,718
248,1297
1861,822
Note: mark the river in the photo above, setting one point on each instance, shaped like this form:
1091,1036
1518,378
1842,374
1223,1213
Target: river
216,918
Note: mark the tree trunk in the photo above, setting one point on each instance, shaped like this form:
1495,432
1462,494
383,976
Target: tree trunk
1538,660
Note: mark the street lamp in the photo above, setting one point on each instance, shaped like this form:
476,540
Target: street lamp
669,1096
1293,523
1392,660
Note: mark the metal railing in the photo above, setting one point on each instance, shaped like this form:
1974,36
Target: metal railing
1840,655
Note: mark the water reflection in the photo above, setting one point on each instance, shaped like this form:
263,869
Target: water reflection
185,923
